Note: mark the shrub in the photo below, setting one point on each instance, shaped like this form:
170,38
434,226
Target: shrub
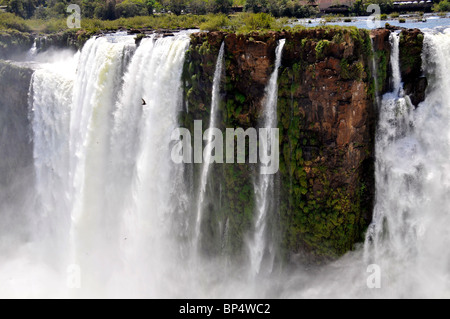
41,13
11,21
131,8
198,7
258,21
51,27
215,23
222,6
442,6
105,10
394,15
320,48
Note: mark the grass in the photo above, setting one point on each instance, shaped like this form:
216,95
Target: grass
216,23
240,23
10,21
394,15
243,23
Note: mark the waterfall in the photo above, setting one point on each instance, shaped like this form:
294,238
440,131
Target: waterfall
395,63
264,185
98,80
375,74
393,125
108,193
32,52
51,96
409,236
148,186
110,202
207,160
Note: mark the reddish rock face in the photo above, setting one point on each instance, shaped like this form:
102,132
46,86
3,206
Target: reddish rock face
411,43
327,120
327,117
380,39
382,56
250,63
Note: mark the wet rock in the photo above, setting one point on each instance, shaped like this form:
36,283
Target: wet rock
411,45
326,119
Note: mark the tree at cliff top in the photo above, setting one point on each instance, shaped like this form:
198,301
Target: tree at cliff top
132,8
42,9
280,8
112,9
22,8
442,6
197,6
360,6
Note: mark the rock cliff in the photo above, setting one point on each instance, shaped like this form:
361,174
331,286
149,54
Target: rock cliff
327,119
16,160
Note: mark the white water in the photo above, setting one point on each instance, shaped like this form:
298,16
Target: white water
51,99
95,236
149,186
394,124
410,234
215,99
375,74
110,201
105,184
258,245
31,54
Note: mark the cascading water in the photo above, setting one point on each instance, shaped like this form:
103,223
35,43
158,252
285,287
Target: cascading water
215,99
264,185
95,93
375,74
32,52
394,124
51,97
105,181
152,186
409,236
110,200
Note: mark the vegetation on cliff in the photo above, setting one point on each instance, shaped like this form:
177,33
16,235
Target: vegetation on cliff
411,44
326,120
12,22
326,124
